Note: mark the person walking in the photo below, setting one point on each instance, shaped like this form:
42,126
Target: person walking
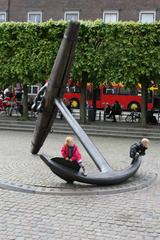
116,110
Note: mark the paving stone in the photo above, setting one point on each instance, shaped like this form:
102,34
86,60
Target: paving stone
116,216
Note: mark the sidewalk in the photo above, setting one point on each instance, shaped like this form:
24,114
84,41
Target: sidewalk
107,122
127,211
97,128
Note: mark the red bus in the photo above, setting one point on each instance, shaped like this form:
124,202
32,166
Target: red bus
128,98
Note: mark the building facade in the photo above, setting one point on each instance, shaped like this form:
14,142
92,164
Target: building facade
109,10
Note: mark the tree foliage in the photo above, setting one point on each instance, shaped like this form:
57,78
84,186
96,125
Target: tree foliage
89,55
125,51
133,52
122,52
27,51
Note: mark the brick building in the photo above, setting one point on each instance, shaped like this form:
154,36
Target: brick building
108,10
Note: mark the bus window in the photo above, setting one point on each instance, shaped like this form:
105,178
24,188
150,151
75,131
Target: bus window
108,91
133,92
150,96
97,93
67,89
73,89
89,94
124,91
111,91
139,92
77,89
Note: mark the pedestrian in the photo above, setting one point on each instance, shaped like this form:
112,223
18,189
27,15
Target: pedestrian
116,110
107,110
150,118
65,102
1,103
8,92
18,93
138,149
70,152
68,105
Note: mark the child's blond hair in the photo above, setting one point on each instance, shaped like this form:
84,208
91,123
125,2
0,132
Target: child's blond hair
68,140
145,142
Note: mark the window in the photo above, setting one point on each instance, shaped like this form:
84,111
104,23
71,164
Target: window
110,16
73,89
89,94
71,16
147,16
33,90
124,91
97,93
2,16
35,17
111,91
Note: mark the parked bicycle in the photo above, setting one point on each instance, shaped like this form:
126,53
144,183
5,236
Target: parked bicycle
133,117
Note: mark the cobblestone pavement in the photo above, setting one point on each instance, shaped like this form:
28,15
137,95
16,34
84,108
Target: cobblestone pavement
130,215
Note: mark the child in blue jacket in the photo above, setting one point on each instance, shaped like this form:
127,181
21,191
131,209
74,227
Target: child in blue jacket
138,149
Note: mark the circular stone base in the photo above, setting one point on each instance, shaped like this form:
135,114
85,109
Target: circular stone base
139,181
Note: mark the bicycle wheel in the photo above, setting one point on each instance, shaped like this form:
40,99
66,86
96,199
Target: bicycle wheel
129,118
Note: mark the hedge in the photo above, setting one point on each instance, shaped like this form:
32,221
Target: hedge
126,52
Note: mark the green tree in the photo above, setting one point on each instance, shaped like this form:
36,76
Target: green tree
27,53
88,64
132,55
123,52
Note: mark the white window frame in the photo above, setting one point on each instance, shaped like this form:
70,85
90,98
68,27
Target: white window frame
111,12
34,12
147,12
71,12
31,93
5,14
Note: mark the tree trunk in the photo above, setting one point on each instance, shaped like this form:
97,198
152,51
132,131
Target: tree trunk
94,101
83,98
9,3
144,102
25,102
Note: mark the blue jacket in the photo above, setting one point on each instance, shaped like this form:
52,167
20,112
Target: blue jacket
137,148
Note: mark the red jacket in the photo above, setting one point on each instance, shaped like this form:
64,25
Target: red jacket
76,154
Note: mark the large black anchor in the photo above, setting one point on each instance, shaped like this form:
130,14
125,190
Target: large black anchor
52,102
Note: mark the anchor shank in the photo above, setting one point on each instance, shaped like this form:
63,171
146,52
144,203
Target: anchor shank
57,81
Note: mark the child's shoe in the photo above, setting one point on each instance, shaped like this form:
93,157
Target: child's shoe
84,173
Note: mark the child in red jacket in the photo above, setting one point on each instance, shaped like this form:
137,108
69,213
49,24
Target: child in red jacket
71,153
